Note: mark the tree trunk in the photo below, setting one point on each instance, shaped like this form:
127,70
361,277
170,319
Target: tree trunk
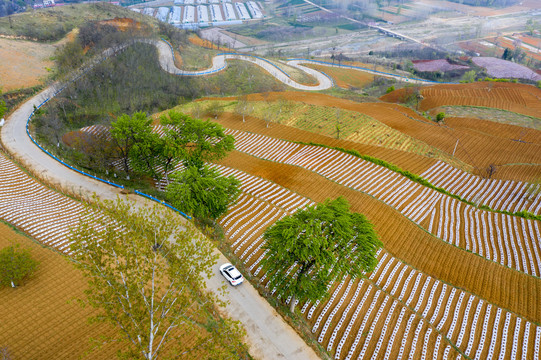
292,304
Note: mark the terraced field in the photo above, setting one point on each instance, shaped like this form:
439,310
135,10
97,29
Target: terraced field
397,311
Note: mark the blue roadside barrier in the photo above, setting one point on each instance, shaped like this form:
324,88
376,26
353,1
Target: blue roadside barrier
75,169
163,203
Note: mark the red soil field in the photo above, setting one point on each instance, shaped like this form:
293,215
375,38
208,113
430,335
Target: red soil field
481,143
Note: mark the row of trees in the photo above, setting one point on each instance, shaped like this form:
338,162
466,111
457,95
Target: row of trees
197,189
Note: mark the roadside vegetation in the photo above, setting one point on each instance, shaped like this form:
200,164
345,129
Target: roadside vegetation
148,281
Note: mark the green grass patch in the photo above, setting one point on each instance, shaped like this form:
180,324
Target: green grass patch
492,114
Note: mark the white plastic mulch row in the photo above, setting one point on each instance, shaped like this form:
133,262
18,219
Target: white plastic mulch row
42,213
508,240
359,318
508,195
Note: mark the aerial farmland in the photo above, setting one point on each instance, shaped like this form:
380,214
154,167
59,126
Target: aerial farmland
145,144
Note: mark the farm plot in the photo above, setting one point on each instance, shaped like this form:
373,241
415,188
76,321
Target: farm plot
523,99
24,63
40,212
37,320
505,69
416,202
397,311
508,195
383,127
345,78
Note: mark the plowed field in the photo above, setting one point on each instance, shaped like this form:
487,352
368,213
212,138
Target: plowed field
345,78
514,150
37,320
520,98
398,311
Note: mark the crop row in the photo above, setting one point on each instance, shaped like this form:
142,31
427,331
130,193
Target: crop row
507,195
40,212
396,312
512,242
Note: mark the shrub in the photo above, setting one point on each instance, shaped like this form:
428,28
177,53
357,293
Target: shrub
440,116
15,266
390,89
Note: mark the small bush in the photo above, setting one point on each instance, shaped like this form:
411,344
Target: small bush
390,89
440,116
15,266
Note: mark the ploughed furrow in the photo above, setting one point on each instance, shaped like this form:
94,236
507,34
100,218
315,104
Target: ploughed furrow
499,285
518,98
507,195
507,240
412,162
397,311
37,210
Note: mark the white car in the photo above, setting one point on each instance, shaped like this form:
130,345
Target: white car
231,274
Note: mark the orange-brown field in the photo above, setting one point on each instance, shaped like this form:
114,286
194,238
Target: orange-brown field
514,150
37,320
23,63
454,279
345,78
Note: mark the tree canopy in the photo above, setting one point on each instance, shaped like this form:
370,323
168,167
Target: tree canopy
15,265
315,246
146,275
194,141
135,140
202,192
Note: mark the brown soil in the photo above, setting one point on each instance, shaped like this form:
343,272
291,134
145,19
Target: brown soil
519,98
409,242
37,320
23,63
516,151
345,78
196,40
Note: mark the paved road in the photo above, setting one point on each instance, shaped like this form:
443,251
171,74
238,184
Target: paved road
219,63
268,335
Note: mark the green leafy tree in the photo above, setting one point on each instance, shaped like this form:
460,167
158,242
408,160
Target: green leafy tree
440,116
15,265
316,246
146,274
194,141
133,137
469,76
3,107
202,192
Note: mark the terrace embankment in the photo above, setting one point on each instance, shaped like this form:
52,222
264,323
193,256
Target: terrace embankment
402,238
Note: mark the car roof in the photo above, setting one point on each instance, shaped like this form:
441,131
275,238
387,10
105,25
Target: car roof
234,272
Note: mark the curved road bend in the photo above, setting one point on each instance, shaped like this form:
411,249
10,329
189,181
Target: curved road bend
219,62
268,335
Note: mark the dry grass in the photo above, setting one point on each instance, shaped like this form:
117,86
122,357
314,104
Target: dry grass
24,63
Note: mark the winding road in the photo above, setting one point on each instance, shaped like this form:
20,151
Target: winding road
268,335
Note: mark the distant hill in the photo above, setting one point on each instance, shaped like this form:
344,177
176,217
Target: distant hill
53,23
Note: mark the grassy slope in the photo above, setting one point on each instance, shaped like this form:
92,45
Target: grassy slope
53,23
